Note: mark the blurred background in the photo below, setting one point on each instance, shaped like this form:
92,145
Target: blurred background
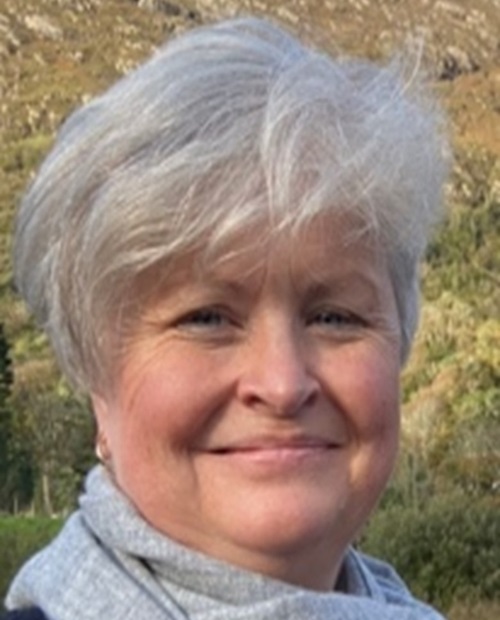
439,522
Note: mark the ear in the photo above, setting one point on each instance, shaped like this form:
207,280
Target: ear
102,412
103,409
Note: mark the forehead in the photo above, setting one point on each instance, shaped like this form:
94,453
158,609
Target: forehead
326,250
327,243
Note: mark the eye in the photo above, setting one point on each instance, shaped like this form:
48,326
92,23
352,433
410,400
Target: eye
204,317
336,319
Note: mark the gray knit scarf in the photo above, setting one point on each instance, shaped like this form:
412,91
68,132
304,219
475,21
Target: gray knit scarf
109,564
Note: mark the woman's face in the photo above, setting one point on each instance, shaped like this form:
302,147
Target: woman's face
255,417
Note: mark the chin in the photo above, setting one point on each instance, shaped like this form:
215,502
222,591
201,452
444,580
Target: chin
283,525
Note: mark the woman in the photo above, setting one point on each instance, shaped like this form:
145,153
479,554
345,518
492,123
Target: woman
223,249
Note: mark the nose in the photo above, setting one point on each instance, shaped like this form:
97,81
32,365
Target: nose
275,373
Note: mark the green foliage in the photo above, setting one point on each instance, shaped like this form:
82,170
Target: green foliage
447,551
6,420
464,259
6,375
451,435
19,539
57,433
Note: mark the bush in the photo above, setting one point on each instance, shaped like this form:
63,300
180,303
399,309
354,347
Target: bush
446,552
20,537
487,610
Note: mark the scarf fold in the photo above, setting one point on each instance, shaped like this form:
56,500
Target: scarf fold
107,562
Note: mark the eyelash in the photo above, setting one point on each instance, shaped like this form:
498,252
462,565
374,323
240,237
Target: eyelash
337,318
204,318
213,318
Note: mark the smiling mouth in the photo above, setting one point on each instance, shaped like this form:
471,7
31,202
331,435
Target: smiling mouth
275,449
276,458
272,445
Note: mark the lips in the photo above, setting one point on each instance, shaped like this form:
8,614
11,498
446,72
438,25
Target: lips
273,443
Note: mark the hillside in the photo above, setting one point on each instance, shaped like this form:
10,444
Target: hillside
55,54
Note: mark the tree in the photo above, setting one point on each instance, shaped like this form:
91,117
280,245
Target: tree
6,379
57,431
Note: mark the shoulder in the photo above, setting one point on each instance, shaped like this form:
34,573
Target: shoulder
30,613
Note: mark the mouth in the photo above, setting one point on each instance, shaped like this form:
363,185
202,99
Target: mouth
273,445
276,445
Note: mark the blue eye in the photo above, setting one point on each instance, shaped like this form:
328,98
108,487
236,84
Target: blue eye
205,317
334,318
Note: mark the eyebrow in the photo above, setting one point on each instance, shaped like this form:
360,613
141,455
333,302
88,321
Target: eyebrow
356,284
345,281
317,286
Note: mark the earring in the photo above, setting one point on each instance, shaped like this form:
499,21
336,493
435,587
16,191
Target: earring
102,450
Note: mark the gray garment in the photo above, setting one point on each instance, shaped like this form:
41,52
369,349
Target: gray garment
109,563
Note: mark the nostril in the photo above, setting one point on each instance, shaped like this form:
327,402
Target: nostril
278,396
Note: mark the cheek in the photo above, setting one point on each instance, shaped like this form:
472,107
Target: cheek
379,425
373,393
167,401
372,387
152,410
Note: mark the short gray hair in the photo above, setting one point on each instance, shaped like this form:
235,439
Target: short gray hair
226,125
